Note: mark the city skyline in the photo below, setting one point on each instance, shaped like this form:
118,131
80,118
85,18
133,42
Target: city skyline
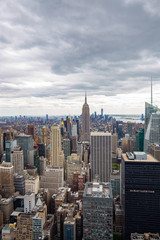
54,51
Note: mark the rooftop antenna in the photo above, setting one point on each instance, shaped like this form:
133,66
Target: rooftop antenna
85,97
151,92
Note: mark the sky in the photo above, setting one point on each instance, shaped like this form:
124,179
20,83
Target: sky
52,51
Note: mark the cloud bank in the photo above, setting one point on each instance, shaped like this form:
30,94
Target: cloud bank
54,50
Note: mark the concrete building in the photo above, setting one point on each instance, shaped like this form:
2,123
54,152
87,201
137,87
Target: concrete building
69,227
74,129
19,184
56,154
67,147
24,226
32,184
8,233
26,143
85,122
29,202
1,141
73,164
101,155
31,131
114,142
17,160
52,179
6,206
44,136
9,146
61,214
97,211
155,150
6,180
140,193
42,165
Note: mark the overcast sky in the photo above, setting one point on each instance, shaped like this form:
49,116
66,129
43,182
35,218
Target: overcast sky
51,51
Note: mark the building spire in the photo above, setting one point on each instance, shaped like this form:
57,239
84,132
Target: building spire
151,92
85,97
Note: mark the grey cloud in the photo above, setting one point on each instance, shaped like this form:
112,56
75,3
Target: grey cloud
104,47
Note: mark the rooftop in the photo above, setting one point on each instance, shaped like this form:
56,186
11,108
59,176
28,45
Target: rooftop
145,236
100,133
96,189
150,158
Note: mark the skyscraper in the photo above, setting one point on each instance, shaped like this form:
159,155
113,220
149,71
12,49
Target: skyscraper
152,134
140,193
26,143
56,154
17,160
97,211
6,180
101,155
85,121
31,130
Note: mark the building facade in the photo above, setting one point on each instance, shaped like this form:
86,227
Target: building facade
140,193
85,122
97,211
101,155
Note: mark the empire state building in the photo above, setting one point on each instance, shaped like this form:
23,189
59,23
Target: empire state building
85,121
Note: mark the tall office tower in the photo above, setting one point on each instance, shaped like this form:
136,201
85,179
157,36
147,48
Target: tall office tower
56,154
97,211
101,155
9,145
74,129
67,147
114,143
17,160
149,109
77,121
6,180
69,127
129,127
46,118
1,141
140,193
73,144
44,136
101,112
26,143
31,131
140,140
152,134
85,122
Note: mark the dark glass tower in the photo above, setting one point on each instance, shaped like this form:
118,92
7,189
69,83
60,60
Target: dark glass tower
140,194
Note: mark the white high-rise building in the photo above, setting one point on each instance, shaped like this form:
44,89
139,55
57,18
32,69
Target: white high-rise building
17,160
101,155
85,122
56,153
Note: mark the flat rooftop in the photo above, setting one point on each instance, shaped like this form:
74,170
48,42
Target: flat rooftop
96,189
96,133
145,236
150,158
